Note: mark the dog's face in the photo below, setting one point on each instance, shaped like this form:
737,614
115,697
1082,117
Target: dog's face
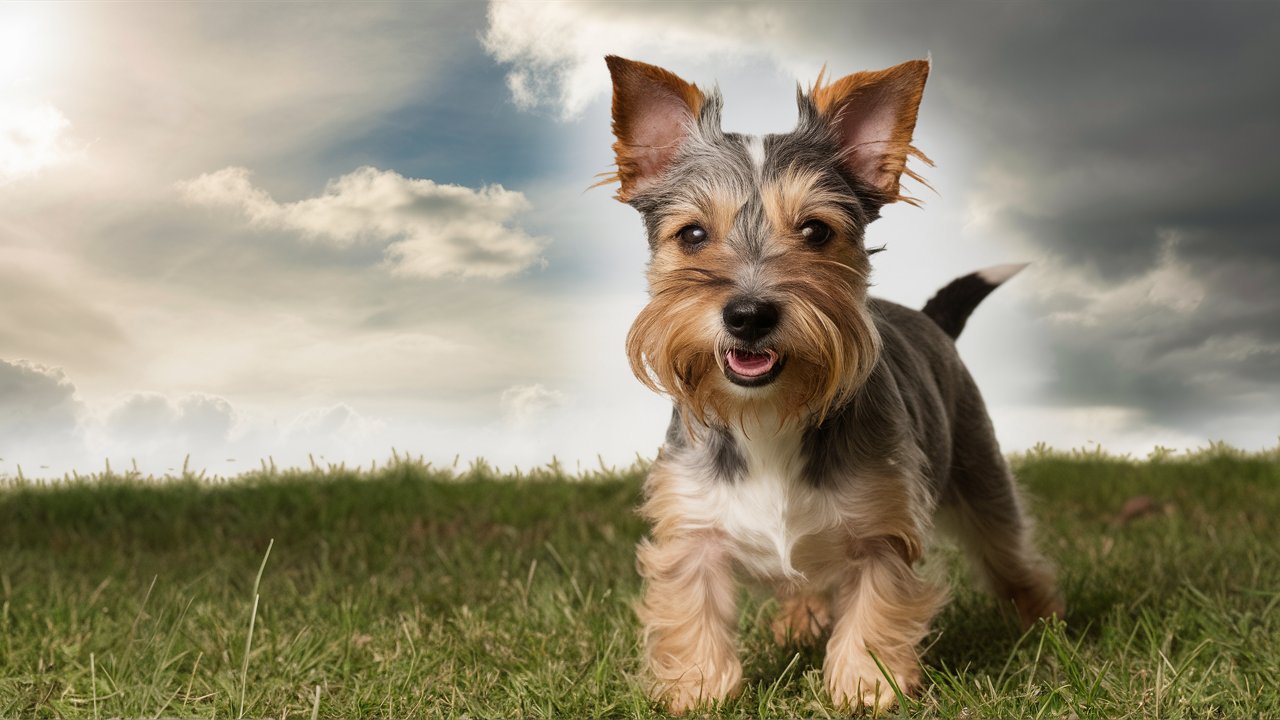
758,273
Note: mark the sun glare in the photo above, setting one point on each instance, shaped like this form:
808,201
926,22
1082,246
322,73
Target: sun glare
31,128
24,44
30,139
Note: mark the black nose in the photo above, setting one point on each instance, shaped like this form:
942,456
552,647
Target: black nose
748,319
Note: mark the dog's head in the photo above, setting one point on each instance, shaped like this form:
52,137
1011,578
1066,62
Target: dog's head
758,273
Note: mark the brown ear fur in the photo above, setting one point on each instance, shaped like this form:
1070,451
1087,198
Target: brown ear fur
875,115
651,111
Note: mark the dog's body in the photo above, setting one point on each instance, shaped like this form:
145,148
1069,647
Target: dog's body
816,432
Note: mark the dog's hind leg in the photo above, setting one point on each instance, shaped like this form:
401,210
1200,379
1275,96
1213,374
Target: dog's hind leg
802,618
984,510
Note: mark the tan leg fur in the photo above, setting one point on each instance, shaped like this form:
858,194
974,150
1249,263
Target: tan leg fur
689,613
885,608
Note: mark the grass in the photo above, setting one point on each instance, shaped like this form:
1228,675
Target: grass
414,591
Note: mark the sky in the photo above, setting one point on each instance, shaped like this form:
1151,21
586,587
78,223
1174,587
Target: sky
239,231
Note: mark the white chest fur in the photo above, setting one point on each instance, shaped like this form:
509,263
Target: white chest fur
768,509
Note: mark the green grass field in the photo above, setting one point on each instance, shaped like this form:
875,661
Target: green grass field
411,591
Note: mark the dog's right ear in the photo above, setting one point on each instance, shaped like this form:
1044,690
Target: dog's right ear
653,110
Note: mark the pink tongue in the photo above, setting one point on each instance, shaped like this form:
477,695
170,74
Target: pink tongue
749,364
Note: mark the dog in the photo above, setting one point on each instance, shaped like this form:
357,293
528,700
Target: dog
817,433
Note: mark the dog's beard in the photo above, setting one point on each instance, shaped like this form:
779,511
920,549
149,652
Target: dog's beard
827,341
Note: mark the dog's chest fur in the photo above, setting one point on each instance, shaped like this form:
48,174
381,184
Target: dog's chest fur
772,516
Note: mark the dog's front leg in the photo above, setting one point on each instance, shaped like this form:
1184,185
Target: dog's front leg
884,608
689,614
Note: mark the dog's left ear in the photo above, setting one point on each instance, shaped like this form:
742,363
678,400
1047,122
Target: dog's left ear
653,110
874,114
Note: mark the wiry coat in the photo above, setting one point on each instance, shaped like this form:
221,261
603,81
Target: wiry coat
823,483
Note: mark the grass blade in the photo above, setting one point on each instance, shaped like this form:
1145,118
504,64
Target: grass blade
248,640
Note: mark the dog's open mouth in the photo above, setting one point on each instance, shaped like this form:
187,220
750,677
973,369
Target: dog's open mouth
752,368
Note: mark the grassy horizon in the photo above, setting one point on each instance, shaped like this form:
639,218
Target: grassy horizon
414,590
556,469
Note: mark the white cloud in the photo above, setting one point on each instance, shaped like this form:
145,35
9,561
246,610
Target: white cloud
334,423
557,48
523,405
48,430
205,416
428,229
141,416
148,419
156,431
1170,288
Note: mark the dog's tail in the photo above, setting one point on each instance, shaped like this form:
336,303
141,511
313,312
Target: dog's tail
953,304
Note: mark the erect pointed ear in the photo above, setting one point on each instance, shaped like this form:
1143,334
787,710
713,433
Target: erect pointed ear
874,114
652,112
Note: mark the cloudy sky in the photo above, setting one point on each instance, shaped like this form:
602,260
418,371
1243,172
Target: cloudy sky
238,230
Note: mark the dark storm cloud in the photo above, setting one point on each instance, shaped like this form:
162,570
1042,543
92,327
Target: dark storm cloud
1135,144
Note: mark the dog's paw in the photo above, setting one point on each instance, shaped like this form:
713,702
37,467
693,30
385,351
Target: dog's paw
694,688
801,621
1038,602
854,679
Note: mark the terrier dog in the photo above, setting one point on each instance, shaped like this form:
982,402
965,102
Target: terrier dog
816,432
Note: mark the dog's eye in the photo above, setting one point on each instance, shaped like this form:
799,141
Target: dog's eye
692,236
816,232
